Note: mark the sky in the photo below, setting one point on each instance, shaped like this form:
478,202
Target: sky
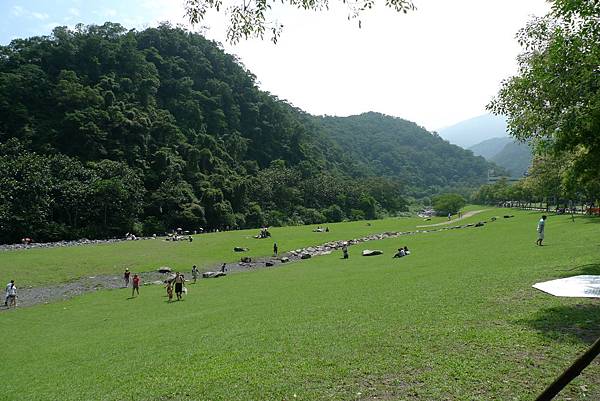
436,66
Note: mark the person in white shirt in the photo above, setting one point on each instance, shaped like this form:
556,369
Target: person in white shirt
540,230
11,298
8,286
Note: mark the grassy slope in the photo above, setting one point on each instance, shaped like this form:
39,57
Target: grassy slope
457,320
45,266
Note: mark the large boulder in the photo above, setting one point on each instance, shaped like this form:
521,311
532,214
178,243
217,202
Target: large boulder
240,249
305,256
213,274
246,259
372,252
164,269
285,259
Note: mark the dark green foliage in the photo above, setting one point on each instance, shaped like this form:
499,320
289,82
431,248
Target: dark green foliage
515,157
56,196
392,147
553,102
448,203
107,131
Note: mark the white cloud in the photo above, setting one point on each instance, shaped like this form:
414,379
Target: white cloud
106,12
74,12
40,16
18,11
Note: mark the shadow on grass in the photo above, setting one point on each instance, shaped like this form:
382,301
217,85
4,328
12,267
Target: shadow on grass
590,269
567,323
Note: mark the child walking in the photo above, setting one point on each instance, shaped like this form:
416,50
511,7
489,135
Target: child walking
170,291
136,285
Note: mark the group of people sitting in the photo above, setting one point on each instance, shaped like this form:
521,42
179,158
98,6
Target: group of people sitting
264,233
402,252
174,237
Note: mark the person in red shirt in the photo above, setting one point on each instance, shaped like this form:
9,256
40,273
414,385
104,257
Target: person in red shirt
136,285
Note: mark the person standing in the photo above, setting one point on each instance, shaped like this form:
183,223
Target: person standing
12,295
135,285
126,277
7,294
540,230
449,216
275,249
179,280
169,291
345,251
195,273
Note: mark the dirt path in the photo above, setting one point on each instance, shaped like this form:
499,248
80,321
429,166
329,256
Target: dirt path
464,216
58,292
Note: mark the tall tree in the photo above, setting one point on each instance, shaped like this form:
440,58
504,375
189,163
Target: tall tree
554,100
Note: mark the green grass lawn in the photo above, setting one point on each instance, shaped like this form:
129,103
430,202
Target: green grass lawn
35,267
456,320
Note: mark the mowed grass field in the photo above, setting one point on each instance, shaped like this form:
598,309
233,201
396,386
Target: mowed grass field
38,266
456,320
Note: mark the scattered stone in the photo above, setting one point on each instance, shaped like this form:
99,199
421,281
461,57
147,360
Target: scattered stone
285,259
306,256
269,264
164,269
240,249
372,252
246,259
213,274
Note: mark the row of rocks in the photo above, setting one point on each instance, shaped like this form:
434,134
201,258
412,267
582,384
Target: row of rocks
79,242
329,247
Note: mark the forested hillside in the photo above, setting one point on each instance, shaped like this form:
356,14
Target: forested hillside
392,147
490,147
513,156
105,131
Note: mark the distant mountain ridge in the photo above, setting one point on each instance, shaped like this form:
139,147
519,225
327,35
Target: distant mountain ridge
475,130
515,157
505,152
490,147
389,146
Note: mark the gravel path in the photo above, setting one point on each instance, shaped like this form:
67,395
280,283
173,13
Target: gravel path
57,292
464,216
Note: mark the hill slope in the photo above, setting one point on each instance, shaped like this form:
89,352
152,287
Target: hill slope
395,147
514,157
490,147
505,152
105,131
475,130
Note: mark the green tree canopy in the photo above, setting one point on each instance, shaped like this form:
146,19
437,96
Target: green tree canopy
448,203
554,100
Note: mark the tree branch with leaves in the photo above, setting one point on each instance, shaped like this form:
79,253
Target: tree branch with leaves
251,18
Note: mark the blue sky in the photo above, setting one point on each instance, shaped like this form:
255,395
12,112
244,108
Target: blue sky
24,18
435,66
